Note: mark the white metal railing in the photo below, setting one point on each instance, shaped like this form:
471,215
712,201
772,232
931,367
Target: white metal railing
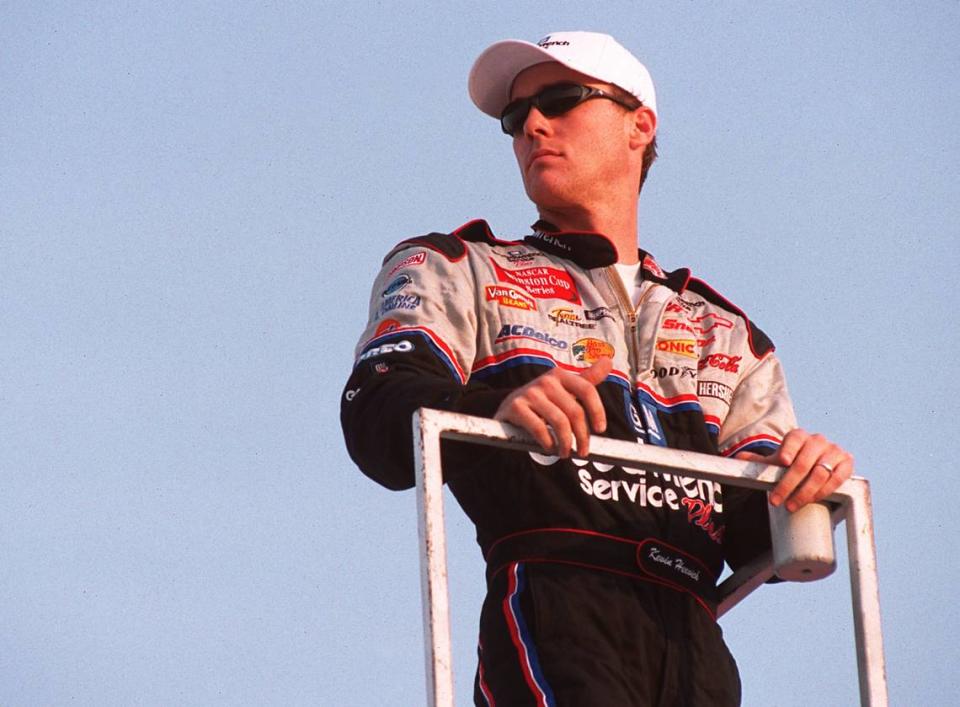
853,506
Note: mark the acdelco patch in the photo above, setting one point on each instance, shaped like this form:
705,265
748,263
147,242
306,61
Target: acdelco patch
541,282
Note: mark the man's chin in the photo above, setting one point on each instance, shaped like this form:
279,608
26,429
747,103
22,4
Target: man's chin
549,195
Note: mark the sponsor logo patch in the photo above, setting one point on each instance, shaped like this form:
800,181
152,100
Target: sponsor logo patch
724,362
392,302
680,347
701,514
510,331
591,350
671,371
385,327
707,323
650,265
552,240
409,262
397,284
541,282
566,315
545,42
402,346
510,297
701,499
595,315
710,321
519,256
713,389
682,305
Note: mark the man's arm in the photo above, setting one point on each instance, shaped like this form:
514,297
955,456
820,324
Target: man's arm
761,426
416,351
816,468
559,408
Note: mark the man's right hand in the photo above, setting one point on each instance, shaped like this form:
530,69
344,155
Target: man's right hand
562,401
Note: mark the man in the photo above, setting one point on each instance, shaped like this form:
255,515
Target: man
601,581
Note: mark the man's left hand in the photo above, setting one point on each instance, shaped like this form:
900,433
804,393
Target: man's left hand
816,468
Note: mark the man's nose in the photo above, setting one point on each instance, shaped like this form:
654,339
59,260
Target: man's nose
536,122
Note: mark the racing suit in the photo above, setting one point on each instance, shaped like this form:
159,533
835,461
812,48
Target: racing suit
601,579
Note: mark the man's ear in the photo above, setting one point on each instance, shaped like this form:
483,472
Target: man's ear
643,128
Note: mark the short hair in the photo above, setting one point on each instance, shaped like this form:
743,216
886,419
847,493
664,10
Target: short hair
650,152
649,155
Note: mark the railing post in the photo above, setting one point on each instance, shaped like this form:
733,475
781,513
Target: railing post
865,591
854,495
433,560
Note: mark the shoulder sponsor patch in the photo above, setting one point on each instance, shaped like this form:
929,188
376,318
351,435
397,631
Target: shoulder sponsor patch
541,282
510,297
680,347
591,350
650,265
699,325
409,262
680,304
710,321
385,327
392,302
402,346
398,283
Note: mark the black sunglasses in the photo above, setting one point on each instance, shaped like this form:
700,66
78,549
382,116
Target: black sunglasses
553,101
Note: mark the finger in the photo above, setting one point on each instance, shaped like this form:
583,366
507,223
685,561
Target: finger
790,446
570,405
598,371
579,400
556,418
817,477
753,457
587,394
588,399
807,489
801,463
581,428
517,412
841,472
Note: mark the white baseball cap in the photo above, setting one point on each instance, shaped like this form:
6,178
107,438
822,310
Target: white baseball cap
597,55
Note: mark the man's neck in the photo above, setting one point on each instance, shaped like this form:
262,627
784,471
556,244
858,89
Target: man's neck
619,225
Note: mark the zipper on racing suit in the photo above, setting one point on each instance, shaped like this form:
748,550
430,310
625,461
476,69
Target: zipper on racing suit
626,306
641,363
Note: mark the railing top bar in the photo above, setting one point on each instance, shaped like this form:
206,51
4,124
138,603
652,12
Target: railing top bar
452,425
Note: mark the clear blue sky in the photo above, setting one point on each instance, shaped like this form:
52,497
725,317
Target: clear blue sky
194,198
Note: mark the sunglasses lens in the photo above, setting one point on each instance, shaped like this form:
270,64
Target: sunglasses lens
514,115
557,100
551,101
